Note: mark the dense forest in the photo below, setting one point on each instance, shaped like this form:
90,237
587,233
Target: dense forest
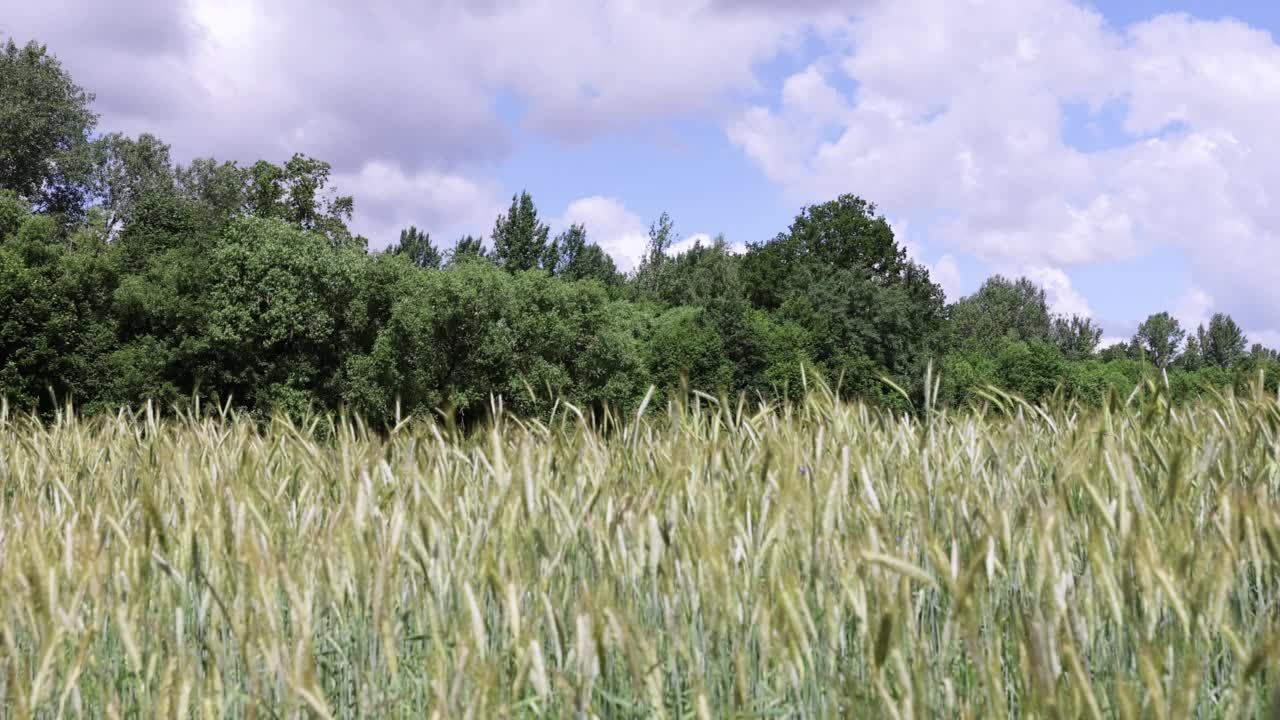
126,277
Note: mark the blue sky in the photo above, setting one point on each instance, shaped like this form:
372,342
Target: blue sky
688,167
1120,153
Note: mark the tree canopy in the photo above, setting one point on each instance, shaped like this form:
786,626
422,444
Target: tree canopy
127,278
45,122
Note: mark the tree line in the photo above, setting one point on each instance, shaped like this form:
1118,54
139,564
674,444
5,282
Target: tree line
127,277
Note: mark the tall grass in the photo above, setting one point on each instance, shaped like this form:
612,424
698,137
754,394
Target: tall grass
820,559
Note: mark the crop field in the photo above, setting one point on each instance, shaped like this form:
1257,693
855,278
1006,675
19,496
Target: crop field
698,560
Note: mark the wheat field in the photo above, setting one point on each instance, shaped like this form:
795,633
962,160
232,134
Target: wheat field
703,560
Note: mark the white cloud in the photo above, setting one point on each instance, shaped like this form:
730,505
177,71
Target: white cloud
687,244
705,240
1062,298
963,119
609,223
389,200
417,82
945,272
1193,309
1269,338
407,94
958,115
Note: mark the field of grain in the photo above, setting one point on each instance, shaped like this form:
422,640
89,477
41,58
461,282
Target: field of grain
816,560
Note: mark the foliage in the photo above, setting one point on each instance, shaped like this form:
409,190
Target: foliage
122,171
417,247
1075,337
697,276
571,257
1032,368
686,351
1002,309
519,237
273,315
298,193
54,328
129,279
1160,337
468,248
45,118
1223,343
446,344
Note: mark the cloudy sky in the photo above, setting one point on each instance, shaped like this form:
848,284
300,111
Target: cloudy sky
1122,153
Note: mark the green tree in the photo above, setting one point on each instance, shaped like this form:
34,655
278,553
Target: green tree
519,237
380,283
468,248
557,326
1117,351
1223,343
1076,337
685,347
593,263
273,315
963,374
14,211
862,329
848,233
1160,336
159,223
565,249
44,119
446,345
697,276
610,370
1002,309
417,247
767,355
298,193
219,190
55,328
1092,380
839,274
1032,369
160,308
662,236
573,258
124,170
1192,358
845,233
1260,354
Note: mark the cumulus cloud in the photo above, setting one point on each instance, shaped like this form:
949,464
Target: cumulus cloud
1268,338
389,200
1063,299
945,272
957,110
952,112
705,240
414,83
1193,308
126,53
617,230
959,114
402,94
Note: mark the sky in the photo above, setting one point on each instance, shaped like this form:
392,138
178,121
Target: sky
1122,153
